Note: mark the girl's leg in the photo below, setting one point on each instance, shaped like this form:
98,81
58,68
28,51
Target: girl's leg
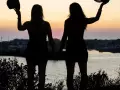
70,71
83,70
31,71
42,70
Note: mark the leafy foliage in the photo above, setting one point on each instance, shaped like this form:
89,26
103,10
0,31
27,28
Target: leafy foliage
14,77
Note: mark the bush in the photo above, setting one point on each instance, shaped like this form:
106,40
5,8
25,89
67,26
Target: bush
14,77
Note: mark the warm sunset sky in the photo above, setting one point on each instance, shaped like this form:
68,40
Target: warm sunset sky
56,11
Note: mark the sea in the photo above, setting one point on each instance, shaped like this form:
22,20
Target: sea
105,61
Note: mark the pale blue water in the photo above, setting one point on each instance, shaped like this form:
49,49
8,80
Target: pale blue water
56,70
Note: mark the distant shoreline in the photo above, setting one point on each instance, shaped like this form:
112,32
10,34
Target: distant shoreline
17,47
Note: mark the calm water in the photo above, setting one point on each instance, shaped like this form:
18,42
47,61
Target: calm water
109,62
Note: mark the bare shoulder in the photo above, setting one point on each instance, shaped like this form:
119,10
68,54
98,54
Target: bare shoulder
86,19
46,23
67,21
26,23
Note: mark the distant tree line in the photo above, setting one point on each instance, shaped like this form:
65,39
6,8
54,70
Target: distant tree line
17,47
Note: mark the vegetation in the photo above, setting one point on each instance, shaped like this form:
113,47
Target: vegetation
17,47
14,77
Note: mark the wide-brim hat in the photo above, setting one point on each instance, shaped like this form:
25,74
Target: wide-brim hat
104,1
13,4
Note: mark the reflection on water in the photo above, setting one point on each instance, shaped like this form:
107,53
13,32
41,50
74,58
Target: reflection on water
109,62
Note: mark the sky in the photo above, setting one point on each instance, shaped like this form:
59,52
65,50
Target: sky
56,11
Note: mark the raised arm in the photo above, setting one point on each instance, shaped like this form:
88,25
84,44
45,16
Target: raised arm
64,38
19,23
94,19
50,37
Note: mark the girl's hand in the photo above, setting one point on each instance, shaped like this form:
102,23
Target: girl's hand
18,12
102,4
105,2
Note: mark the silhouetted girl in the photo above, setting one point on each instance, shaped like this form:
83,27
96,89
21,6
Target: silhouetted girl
36,52
76,49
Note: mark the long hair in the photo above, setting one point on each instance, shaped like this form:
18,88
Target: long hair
76,11
37,13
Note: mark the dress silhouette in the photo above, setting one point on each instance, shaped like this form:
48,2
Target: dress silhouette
36,52
76,50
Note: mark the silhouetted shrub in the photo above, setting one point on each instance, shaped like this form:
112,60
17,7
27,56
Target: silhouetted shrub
14,77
